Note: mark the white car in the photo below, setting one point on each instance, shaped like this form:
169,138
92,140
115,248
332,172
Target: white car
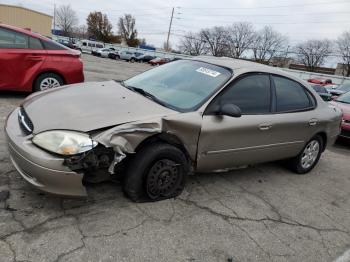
103,52
128,56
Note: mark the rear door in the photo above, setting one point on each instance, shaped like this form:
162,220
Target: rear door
21,57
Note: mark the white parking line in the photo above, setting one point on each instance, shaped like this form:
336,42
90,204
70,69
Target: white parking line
344,258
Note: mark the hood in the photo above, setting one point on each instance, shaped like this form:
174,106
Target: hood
89,106
336,92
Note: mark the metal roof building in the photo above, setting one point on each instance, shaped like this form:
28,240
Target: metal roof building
26,18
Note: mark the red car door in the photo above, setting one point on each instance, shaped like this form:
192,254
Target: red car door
21,57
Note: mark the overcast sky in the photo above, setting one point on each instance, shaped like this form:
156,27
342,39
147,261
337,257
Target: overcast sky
298,19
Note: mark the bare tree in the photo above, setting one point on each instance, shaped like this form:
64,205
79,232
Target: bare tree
192,44
80,31
126,26
215,39
343,47
66,19
312,53
267,44
239,38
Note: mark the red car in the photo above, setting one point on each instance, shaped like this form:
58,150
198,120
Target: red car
31,62
159,61
320,81
343,102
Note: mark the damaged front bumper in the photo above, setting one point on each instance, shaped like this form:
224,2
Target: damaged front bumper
42,170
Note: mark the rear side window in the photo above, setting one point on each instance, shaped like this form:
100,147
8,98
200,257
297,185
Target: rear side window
35,43
252,94
51,45
290,95
12,39
84,44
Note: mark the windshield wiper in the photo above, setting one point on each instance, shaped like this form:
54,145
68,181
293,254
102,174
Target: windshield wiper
144,93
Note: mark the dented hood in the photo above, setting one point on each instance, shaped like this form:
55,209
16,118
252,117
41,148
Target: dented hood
89,106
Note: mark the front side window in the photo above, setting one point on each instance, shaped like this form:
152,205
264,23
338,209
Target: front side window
252,94
181,85
290,95
12,39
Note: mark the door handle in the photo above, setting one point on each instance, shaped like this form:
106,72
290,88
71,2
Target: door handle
35,58
265,126
313,122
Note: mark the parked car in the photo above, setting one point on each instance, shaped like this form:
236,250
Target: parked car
320,81
342,89
196,115
89,46
144,58
67,43
343,102
128,56
31,62
113,54
323,92
103,52
159,61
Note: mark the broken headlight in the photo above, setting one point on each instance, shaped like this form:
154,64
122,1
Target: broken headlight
64,142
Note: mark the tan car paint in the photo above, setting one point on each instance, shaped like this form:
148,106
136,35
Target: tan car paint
121,119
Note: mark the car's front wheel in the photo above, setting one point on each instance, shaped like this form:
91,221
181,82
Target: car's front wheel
308,157
47,81
155,173
132,60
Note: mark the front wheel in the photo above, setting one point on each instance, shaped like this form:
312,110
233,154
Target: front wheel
308,157
132,60
157,172
47,81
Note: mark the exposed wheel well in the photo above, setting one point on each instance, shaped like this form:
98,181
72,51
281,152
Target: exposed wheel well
166,138
47,72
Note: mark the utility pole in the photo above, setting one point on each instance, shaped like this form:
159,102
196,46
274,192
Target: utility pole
171,22
54,17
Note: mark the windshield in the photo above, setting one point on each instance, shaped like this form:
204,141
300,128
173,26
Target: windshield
344,98
183,84
344,87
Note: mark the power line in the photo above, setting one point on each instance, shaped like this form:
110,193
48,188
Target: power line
269,15
267,7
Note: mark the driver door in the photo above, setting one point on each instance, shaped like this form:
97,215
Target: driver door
226,142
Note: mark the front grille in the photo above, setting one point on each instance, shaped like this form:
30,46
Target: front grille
345,133
25,122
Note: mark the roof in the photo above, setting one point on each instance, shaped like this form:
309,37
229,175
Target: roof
22,30
27,9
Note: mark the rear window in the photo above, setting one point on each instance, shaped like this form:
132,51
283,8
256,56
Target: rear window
290,95
51,45
35,43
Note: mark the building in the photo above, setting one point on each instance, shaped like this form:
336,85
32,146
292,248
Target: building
342,70
26,18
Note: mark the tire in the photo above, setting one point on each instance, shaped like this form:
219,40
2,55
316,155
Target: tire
47,81
117,57
155,173
132,60
308,157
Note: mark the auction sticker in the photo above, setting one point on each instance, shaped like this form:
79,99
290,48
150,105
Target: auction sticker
208,72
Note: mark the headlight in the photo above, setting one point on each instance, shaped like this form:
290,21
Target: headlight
64,142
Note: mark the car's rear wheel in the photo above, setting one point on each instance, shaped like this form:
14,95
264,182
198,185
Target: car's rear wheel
132,60
157,172
47,81
308,157
117,57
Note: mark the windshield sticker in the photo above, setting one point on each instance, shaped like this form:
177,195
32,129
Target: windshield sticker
208,72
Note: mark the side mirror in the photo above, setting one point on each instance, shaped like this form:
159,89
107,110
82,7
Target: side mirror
230,110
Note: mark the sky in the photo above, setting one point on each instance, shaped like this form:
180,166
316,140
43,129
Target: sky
298,19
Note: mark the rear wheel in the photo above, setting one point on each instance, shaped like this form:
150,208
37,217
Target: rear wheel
157,172
132,60
117,57
308,157
47,81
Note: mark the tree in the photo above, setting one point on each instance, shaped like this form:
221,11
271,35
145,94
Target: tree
312,53
126,27
99,27
66,19
192,44
215,39
267,43
343,47
80,32
239,39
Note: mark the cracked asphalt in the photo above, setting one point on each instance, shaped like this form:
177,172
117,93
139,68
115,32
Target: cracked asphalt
262,213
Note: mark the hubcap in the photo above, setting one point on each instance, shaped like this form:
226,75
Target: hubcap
162,178
310,154
48,83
